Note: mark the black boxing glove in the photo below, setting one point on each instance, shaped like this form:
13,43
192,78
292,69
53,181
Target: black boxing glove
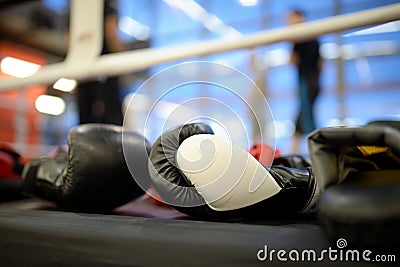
208,177
339,154
292,161
366,215
358,170
92,176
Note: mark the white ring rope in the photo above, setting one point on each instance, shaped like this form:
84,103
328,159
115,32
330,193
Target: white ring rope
132,61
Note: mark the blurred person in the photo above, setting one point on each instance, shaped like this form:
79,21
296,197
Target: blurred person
99,100
305,55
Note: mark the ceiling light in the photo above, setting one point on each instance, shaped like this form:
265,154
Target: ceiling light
50,105
210,21
134,28
65,85
248,2
18,68
393,26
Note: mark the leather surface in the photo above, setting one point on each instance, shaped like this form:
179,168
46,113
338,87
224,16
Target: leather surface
175,188
170,183
335,156
365,215
95,176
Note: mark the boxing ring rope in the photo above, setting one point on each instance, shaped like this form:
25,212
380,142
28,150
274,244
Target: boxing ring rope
79,65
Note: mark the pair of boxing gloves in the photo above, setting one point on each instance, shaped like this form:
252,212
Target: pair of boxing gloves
193,170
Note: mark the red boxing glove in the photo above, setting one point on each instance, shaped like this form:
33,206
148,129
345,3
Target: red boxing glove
11,163
155,197
264,153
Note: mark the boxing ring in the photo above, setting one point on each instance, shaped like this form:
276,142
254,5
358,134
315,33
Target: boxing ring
36,235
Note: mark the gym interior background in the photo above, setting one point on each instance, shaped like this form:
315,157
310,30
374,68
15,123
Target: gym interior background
359,81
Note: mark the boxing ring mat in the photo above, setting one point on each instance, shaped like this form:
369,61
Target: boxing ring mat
48,238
